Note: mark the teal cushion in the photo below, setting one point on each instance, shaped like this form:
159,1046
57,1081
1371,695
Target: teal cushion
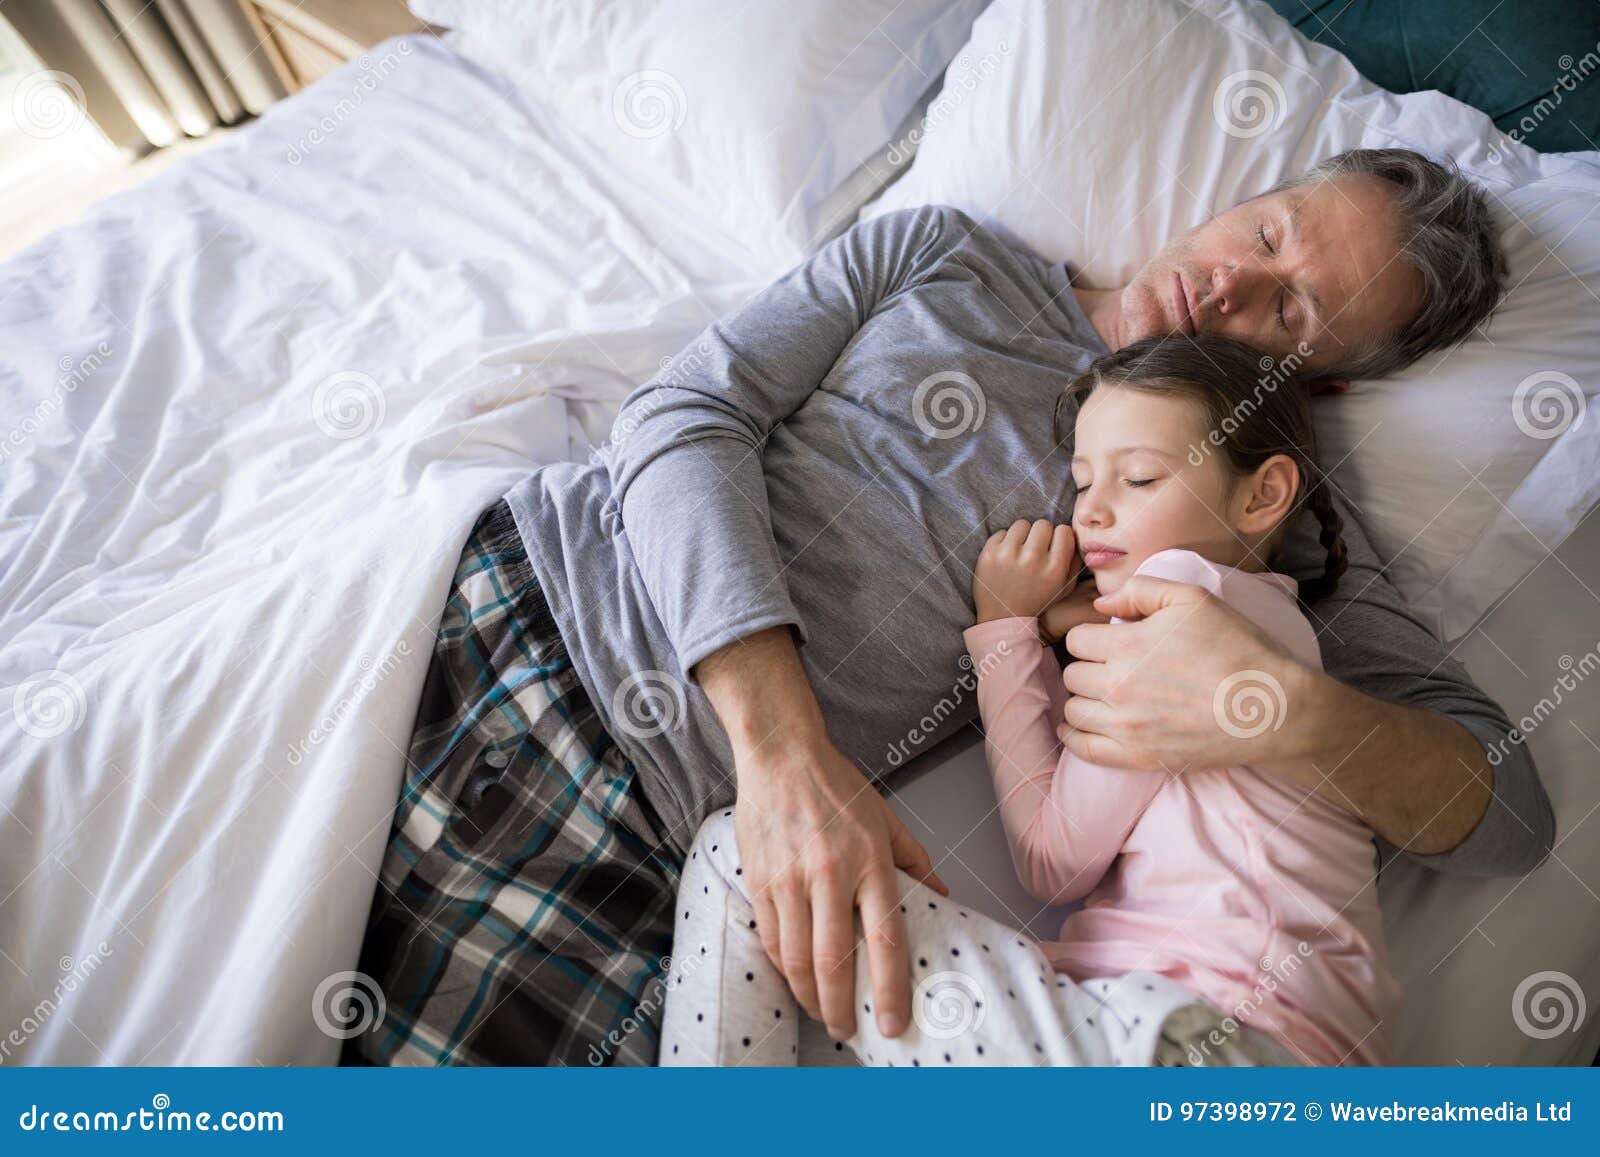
1532,65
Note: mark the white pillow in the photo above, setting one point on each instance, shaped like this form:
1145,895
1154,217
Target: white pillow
755,113
1115,125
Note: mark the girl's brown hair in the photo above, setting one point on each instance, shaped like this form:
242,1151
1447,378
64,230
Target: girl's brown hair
1255,408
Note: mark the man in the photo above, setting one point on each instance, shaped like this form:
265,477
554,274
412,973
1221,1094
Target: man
758,588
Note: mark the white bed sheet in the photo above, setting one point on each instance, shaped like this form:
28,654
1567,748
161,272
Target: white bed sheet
252,409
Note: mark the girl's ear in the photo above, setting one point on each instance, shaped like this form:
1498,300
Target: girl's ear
1270,494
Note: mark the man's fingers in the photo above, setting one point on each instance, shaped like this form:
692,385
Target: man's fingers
910,856
1097,749
767,925
794,948
833,938
1089,715
883,927
1144,595
1090,680
1091,641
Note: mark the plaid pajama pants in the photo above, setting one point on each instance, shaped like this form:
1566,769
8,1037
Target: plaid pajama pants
524,914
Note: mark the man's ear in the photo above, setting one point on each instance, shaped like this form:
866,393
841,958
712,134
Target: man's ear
1325,385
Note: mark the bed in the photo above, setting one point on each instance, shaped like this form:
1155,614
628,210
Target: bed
255,406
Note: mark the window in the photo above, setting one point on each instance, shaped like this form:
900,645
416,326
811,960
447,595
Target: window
48,144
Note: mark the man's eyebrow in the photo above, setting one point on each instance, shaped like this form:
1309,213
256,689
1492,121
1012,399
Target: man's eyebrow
1292,231
1132,449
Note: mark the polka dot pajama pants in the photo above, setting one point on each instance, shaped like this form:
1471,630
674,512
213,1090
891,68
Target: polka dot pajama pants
982,993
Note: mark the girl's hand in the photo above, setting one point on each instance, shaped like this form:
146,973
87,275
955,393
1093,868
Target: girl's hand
1024,569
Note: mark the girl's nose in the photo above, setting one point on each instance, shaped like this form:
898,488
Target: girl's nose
1089,512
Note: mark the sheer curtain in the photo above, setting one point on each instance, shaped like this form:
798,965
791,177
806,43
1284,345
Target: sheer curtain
153,71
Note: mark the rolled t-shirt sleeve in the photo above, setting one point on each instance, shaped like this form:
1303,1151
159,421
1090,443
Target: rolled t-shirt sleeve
1373,641
685,453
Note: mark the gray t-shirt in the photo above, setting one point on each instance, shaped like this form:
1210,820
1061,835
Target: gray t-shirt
833,456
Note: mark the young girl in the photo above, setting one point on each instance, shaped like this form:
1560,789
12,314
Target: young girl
1229,916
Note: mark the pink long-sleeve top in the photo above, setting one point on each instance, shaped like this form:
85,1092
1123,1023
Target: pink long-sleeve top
1256,894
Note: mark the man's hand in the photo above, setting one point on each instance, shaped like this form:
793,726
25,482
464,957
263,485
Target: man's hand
1024,569
1145,694
816,841
1193,684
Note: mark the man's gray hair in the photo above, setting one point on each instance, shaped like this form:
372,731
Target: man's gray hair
1446,233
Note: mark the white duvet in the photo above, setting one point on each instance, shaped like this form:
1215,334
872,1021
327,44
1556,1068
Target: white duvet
250,412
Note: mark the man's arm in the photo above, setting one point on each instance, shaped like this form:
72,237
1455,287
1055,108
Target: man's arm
685,454
817,841
1452,809
685,460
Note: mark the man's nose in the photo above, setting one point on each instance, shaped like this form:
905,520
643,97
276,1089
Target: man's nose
1232,287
